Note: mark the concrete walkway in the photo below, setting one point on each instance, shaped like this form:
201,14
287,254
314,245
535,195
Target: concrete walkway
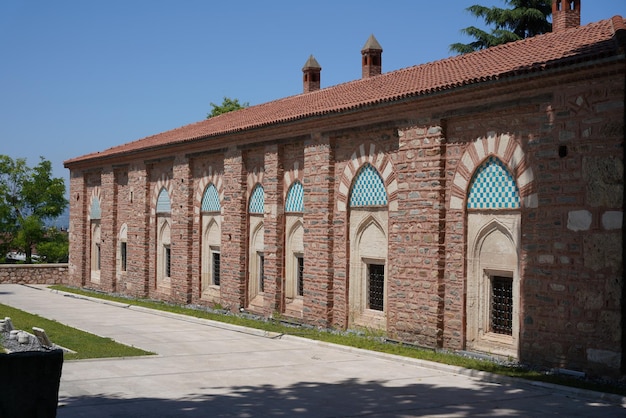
208,369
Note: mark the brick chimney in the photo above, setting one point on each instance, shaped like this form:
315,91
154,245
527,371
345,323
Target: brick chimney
565,14
372,58
311,75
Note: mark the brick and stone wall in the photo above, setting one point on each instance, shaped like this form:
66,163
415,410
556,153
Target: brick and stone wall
34,273
561,137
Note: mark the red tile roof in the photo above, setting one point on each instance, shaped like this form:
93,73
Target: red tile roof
551,50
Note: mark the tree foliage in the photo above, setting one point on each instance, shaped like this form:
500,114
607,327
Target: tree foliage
55,248
228,105
28,198
523,19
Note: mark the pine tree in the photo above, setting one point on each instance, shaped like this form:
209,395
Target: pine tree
523,19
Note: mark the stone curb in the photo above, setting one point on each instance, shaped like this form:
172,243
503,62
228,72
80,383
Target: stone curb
476,374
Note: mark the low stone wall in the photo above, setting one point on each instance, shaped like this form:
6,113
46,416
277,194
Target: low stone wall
33,273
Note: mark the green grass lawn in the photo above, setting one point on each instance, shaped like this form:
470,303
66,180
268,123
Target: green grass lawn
85,344
361,340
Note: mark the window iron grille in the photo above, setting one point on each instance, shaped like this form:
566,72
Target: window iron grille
261,273
216,268
123,249
376,273
168,261
300,276
502,305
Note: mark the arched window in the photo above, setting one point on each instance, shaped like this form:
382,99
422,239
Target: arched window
493,247
163,202
294,250
210,200
368,249
493,187
294,201
211,242
94,210
256,256
96,239
164,253
257,200
368,189
122,254
164,249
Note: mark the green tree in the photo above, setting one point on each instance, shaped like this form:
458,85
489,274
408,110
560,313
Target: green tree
28,198
523,19
55,248
228,105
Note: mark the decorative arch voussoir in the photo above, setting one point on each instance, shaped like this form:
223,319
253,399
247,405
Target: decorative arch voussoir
254,177
208,177
163,182
505,148
368,153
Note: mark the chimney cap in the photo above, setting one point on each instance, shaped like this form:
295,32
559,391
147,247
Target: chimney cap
311,64
372,45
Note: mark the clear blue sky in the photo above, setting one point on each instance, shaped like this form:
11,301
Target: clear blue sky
79,76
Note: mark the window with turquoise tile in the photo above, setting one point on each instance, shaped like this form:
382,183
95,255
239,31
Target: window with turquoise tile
368,188
257,200
95,212
163,202
210,200
493,187
294,198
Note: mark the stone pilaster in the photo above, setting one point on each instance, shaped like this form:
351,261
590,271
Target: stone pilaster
182,230
274,224
233,251
319,206
108,206
78,229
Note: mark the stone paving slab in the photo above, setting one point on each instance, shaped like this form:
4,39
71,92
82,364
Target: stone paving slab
209,369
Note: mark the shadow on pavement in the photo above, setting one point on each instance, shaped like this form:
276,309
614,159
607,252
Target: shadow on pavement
348,398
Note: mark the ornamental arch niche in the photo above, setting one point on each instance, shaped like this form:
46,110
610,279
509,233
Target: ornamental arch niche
256,255
294,249
369,217
492,184
163,248
95,233
211,237
368,190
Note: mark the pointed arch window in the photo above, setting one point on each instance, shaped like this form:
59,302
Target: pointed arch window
294,249
211,200
257,200
163,202
493,187
210,243
368,249
95,212
368,188
164,249
122,255
294,201
256,259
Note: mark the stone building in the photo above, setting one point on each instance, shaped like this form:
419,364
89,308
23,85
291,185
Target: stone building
473,203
